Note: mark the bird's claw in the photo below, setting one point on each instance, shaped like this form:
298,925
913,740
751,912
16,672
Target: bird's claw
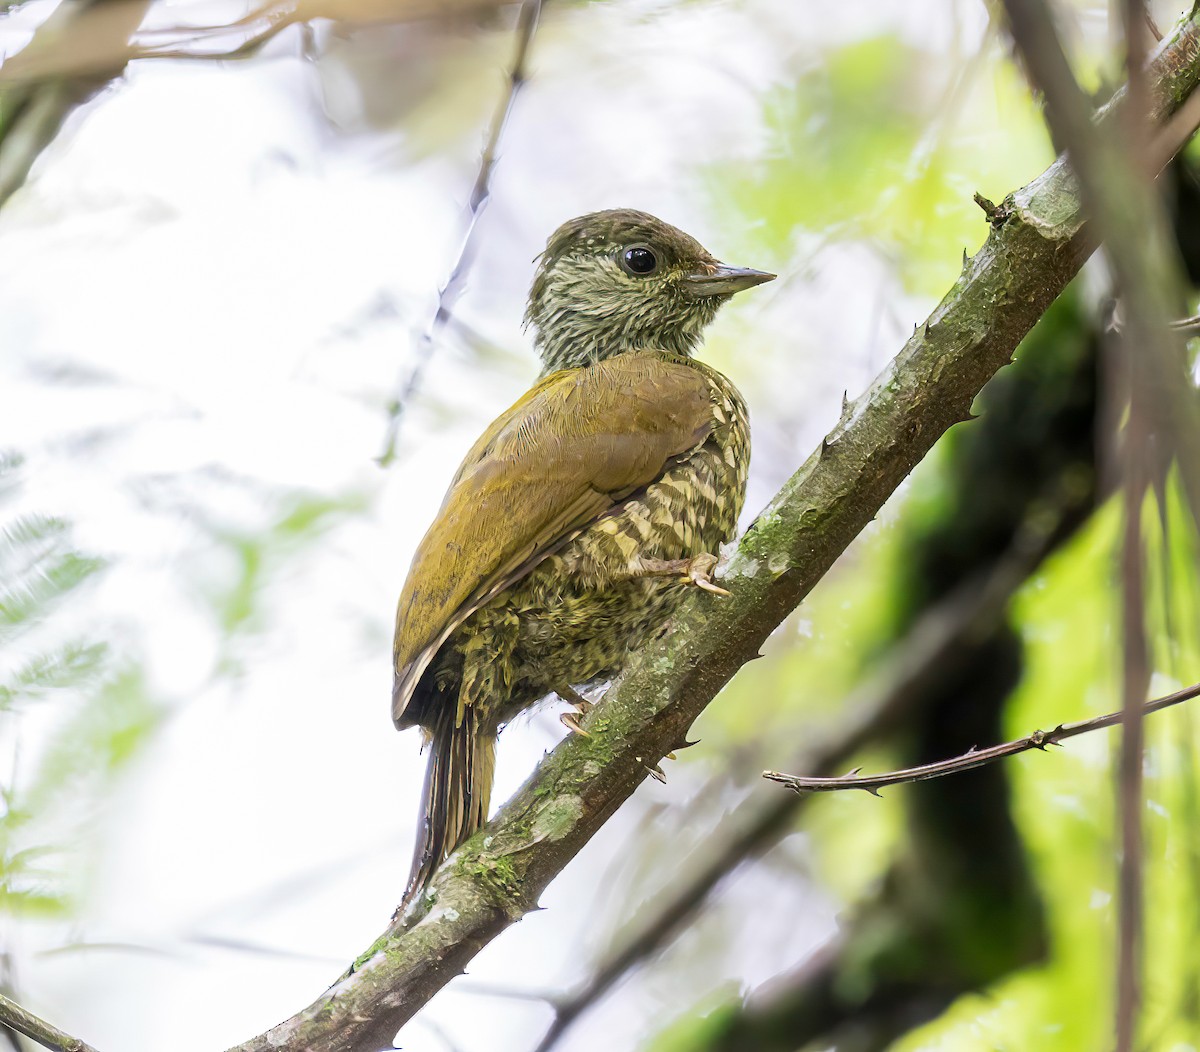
570,720
700,571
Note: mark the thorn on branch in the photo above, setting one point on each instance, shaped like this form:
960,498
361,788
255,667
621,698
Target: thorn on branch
655,772
1191,324
997,214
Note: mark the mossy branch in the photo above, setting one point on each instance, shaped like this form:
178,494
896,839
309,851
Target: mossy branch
1036,244
18,1019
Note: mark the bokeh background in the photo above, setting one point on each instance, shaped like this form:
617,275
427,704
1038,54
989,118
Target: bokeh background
213,283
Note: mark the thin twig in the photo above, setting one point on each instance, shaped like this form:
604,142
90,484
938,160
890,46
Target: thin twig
1135,681
291,12
507,993
975,757
25,1022
1171,137
1136,661
8,988
247,48
1191,324
527,23
272,12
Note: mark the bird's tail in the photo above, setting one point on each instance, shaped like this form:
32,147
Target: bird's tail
458,789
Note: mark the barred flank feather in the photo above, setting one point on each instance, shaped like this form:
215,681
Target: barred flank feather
458,789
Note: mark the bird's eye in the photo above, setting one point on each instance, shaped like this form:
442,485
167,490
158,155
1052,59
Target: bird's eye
639,260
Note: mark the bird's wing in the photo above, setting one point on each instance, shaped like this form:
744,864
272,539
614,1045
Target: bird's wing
569,451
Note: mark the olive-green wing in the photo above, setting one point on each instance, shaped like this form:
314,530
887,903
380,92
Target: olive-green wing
570,450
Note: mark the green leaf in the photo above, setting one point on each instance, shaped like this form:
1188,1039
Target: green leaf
97,743
29,599
26,538
69,666
10,464
33,903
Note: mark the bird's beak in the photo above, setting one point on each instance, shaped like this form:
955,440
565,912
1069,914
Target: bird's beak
721,280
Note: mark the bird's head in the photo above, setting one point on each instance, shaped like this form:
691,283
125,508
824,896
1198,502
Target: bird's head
621,280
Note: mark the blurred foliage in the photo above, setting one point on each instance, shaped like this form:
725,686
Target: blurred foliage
1064,803
254,556
102,715
866,145
1071,637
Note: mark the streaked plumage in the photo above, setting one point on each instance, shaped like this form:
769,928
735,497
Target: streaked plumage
532,578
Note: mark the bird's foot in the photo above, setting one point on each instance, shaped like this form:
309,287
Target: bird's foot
697,570
700,571
571,720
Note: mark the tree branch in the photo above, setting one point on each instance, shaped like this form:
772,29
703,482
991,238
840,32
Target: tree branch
353,14
33,105
94,52
247,48
25,1022
975,757
496,877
